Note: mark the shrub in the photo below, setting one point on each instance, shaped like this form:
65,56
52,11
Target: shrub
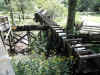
37,65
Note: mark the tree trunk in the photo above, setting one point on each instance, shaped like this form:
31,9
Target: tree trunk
22,11
12,16
7,2
71,16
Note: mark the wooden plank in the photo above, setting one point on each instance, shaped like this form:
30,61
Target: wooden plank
78,39
91,56
88,32
64,37
58,31
91,30
91,26
61,34
55,26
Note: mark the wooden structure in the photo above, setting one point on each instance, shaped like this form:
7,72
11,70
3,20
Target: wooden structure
85,61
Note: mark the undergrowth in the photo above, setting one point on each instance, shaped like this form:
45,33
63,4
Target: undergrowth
37,65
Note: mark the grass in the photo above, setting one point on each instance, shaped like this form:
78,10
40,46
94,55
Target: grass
62,21
27,21
94,18
91,16
77,18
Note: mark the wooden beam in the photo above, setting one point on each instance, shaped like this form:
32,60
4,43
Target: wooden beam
90,56
29,28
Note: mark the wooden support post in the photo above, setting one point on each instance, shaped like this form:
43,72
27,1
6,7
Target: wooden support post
11,50
29,40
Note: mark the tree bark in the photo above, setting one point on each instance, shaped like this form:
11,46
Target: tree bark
71,16
12,16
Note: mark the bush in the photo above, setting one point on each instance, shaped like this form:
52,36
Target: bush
37,65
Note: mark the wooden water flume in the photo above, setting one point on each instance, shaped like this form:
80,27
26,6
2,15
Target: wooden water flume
85,60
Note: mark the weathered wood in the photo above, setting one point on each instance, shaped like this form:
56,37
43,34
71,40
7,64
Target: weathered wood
96,26
91,56
93,29
43,19
78,39
90,27
88,32
57,26
59,31
62,34
20,39
88,37
86,45
69,45
29,28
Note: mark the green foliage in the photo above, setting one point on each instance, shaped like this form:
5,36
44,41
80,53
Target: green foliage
86,5
38,65
97,1
53,6
56,8
95,48
2,5
38,45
